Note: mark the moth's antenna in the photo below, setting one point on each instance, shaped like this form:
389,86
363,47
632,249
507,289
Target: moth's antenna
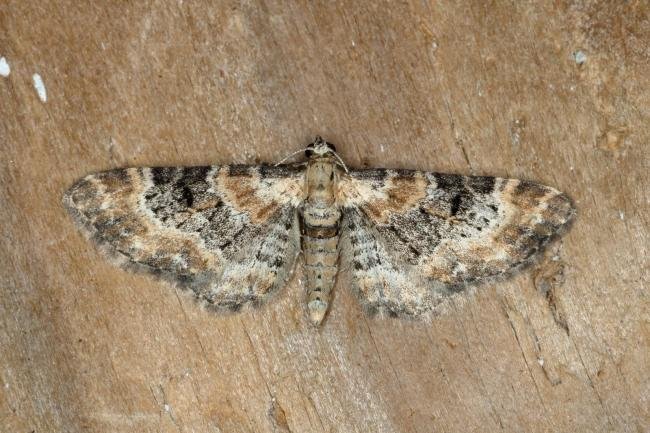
290,156
340,161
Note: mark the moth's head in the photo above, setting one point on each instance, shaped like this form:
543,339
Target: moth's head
319,147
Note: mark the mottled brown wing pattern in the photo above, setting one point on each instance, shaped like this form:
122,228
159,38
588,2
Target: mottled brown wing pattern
232,233
229,233
411,238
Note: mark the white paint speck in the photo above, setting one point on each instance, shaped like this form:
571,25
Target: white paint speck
381,147
621,215
167,408
5,70
580,57
540,361
354,44
40,87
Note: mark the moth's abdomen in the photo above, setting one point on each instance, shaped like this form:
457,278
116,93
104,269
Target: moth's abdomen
320,247
321,220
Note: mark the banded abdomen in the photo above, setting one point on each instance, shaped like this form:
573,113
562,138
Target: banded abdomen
320,229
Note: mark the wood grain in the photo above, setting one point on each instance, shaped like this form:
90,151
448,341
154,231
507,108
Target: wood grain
472,87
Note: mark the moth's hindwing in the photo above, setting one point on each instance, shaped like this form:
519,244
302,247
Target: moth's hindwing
229,233
410,238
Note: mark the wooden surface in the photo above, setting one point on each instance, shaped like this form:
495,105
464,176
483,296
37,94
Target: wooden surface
556,92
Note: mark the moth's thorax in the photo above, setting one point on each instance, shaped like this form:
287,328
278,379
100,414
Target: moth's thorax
320,209
320,180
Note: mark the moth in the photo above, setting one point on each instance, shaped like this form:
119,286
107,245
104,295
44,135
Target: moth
232,234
